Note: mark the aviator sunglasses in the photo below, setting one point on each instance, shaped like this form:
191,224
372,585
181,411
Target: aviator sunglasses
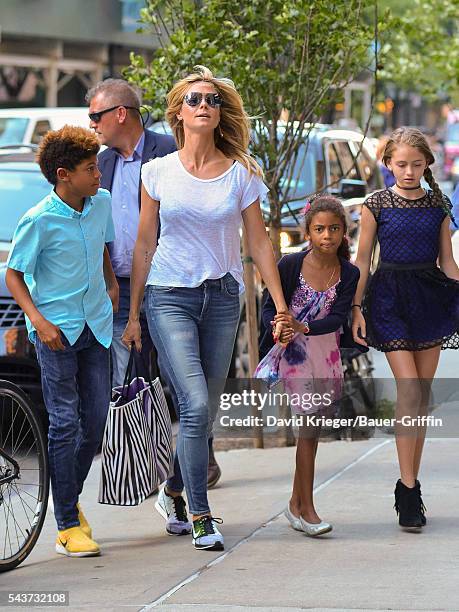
96,117
194,98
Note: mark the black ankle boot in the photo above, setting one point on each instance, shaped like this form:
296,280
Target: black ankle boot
408,507
422,508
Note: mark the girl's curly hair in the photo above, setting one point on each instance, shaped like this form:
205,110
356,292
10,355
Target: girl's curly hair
65,148
328,203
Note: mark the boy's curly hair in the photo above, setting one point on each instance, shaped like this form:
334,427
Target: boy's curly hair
65,148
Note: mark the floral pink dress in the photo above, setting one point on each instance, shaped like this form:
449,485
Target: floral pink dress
309,364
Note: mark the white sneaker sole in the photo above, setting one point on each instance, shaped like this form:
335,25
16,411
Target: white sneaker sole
61,550
163,513
214,546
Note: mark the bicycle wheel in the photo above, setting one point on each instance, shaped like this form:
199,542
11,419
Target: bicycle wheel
24,476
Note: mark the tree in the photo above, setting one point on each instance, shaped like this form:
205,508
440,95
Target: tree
420,51
289,59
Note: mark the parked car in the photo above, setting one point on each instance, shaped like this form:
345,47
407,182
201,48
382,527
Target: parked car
336,161
29,125
21,186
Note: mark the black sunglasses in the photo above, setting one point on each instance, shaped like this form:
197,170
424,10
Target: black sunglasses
96,117
194,98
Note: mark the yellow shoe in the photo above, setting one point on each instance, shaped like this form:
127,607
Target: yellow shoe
74,542
85,526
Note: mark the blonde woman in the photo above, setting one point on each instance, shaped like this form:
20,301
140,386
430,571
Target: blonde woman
201,194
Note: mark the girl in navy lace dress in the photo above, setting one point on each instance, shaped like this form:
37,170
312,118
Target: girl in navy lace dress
411,305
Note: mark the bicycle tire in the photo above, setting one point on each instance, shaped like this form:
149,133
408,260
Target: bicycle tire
12,391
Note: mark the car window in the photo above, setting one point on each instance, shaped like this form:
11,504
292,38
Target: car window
302,180
40,130
12,130
161,127
347,160
19,191
369,170
335,170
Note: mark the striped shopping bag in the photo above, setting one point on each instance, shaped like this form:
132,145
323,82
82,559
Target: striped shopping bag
137,452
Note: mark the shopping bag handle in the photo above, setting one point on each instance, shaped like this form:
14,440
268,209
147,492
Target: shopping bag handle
132,369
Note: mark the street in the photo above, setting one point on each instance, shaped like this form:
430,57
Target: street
367,562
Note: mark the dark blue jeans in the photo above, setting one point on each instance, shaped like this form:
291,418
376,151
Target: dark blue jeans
194,330
76,390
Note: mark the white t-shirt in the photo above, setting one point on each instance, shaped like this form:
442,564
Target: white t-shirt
200,221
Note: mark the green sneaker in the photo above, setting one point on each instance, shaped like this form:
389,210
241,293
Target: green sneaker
206,535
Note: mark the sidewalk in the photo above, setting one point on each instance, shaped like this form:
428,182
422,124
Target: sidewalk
367,562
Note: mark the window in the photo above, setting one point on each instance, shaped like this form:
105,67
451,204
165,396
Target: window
302,181
12,130
335,171
41,127
369,170
347,160
130,14
20,189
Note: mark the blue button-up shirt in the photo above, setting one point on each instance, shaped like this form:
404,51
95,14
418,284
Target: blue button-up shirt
61,252
125,208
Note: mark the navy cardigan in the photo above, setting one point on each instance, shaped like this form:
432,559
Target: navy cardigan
289,270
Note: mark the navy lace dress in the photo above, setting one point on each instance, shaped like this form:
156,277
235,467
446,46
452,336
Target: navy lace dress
409,304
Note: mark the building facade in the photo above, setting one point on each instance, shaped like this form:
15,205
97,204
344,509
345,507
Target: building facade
51,51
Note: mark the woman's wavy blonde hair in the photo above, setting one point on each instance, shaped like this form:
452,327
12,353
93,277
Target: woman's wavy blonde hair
232,135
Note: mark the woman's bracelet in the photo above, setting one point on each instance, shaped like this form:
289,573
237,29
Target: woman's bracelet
357,306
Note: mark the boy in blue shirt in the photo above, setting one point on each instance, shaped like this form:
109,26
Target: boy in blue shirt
59,273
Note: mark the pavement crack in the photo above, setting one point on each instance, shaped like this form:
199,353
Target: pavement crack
246,539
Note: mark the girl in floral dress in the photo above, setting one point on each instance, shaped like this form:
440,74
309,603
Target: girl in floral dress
318,285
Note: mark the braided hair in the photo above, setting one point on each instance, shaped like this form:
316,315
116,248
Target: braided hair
328,203
415,138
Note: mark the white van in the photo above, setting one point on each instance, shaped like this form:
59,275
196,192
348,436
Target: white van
29,125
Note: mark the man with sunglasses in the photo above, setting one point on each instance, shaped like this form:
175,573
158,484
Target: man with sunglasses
114,113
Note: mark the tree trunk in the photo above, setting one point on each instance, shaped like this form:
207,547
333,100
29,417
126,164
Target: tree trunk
275,225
